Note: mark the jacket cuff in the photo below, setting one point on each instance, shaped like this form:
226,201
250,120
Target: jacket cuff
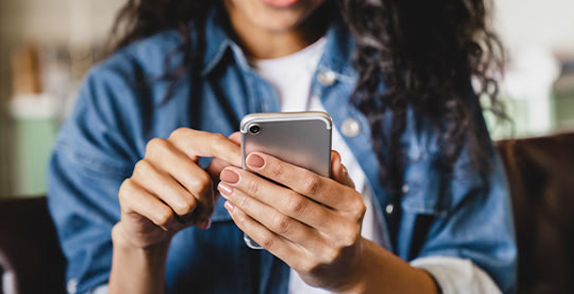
456,275
103,289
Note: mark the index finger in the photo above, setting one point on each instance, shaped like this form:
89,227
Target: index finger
321,189
197,144
218,164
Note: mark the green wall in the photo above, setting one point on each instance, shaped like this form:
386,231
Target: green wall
34,139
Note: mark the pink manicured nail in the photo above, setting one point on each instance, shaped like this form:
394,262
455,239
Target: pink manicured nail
255,161
225,190
229,176
229,206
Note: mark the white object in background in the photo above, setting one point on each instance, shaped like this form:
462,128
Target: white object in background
531,76
35,106
8,283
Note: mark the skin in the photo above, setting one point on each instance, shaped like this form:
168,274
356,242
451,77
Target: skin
312,223
266,32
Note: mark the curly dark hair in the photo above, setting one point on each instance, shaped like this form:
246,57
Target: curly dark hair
426,52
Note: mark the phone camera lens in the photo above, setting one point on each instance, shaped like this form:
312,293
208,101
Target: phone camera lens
255,129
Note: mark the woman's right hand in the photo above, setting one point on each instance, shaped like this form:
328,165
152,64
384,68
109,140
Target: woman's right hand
169,191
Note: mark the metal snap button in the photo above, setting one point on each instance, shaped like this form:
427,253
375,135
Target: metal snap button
350,127
405,189
327,78
390,208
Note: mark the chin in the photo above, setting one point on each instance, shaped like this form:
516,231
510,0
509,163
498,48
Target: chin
276,19
279,22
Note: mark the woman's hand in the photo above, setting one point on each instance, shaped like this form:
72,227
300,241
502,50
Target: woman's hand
169,191
313,223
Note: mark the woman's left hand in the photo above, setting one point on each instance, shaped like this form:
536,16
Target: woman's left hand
312,223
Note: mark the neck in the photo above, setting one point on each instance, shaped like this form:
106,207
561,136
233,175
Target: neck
259,43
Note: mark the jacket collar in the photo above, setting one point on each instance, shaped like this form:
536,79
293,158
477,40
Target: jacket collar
337,56
217,40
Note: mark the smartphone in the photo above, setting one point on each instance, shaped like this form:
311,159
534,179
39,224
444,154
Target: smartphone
300,138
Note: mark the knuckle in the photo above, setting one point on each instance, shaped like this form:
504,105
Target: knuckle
310,266
201,182
124,186
350,236
330,254
360,209
154,146
281,225
178,133
267,241
126,189
185,206
141,168
243,202
241,222
311,185
204,180
277,171
253,188
297,206
219,138
163,216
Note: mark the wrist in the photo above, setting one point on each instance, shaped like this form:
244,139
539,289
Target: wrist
380,271
356,283
122,243
136,269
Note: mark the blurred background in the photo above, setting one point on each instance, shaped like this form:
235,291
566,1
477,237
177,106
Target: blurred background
46,47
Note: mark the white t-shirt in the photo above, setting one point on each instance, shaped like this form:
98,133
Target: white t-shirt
291,76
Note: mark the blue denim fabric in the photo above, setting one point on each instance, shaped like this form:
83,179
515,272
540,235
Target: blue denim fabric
121,106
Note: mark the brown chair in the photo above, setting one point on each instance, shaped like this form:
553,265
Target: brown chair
30,257
540,172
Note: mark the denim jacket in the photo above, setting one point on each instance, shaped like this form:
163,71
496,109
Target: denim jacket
462,214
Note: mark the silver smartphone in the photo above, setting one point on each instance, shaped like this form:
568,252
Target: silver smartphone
300,138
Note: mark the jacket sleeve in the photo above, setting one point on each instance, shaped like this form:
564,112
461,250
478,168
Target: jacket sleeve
93,154
456,275
463,215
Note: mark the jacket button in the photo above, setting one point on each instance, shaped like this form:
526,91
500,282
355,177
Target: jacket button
327,78
350,127
405,189
390,208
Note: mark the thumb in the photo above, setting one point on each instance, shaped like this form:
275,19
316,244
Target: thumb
339,172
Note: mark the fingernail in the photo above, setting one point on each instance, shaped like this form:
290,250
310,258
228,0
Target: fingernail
229,176
225,190
255,161
229,206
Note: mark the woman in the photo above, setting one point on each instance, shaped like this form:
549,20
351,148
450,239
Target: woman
417,202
